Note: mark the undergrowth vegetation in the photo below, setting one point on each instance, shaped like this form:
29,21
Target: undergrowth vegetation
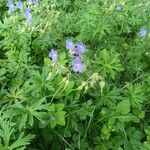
74,75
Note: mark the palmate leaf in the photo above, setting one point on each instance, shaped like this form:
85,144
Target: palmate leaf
22,141
133,142
36,110
42,81
135,94
2,73
26,113
124,107
23,120
108,63
15,94
57,115
110,97
7,131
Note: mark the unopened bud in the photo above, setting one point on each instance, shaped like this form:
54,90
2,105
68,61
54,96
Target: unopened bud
102,85
86,88
82,85
66,83
49,76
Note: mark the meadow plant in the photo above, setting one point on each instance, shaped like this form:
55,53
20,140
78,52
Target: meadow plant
74,75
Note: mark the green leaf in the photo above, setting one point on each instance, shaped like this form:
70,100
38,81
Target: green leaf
108,63
124,107
22,141
57,115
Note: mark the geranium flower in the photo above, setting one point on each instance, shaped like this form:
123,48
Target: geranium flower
77,65
53,55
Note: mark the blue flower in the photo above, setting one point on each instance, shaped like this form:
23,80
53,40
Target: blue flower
80,48
53,118
53,55
75,49
77,65
36,2
70,44
20,6
143,32
11,6
28,15
118,7
29,1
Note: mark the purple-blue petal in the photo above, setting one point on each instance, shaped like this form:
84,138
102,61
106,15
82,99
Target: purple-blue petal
29,1
20,6
75,68
80,48
9,2
53,55
77,65
11,6
76,60
28,15
143,32
36,2
70,44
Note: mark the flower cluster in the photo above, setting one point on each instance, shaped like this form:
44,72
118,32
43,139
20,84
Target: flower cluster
20,6
75,50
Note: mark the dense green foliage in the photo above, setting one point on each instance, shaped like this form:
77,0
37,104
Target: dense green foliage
45,105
